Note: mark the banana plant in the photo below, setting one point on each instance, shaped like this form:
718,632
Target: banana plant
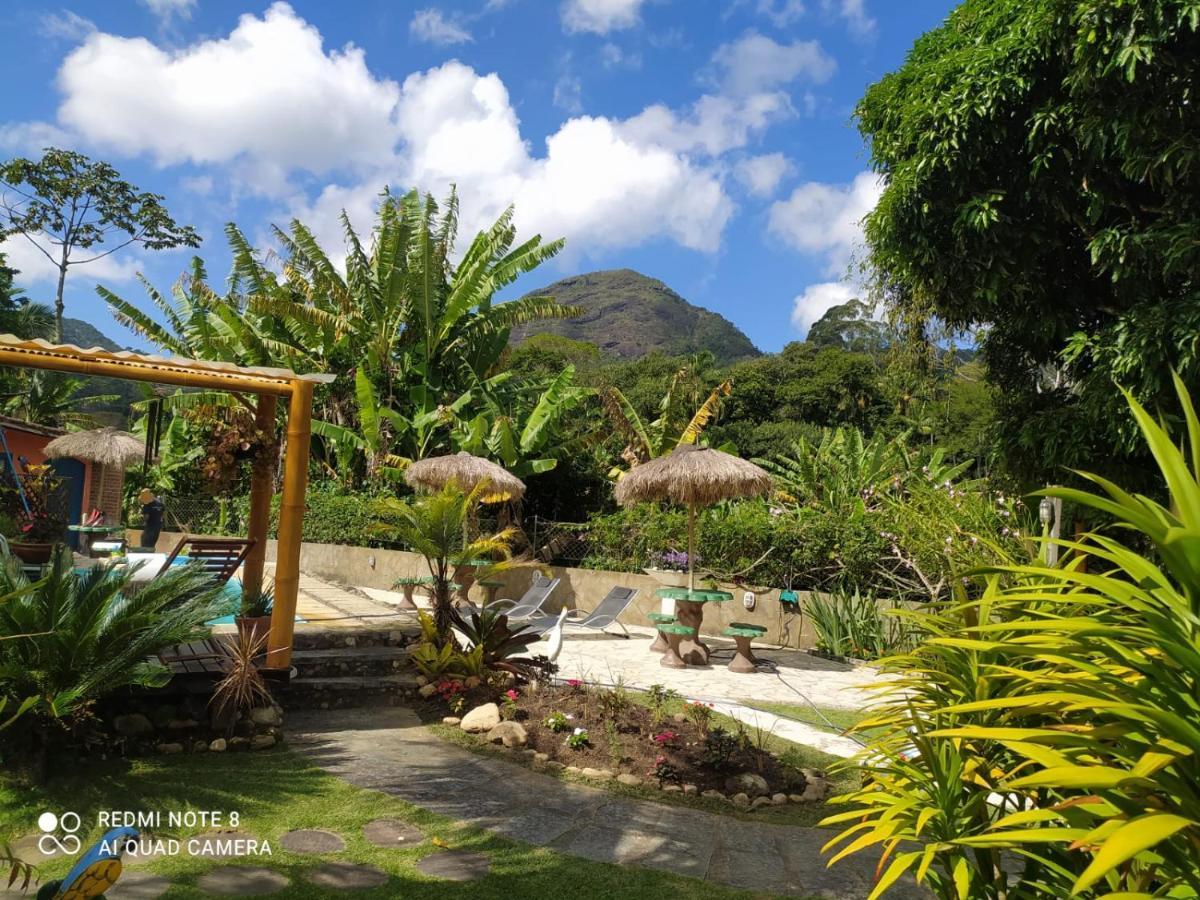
528,440
668,431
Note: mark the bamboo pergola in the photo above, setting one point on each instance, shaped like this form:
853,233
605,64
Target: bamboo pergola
269,385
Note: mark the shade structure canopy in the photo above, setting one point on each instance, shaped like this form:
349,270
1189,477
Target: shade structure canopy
107,446
692,476
467,472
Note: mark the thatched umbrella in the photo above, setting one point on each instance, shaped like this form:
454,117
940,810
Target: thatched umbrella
106,446
467,472
692,476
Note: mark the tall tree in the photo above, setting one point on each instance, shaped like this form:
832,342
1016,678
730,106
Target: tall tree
1042,160
76,211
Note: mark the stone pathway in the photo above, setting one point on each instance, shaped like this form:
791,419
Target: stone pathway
390,751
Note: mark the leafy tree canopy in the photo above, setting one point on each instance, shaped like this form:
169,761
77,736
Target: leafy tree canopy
851,326
1042,160
66,202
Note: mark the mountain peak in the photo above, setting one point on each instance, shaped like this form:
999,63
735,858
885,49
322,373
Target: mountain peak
629,315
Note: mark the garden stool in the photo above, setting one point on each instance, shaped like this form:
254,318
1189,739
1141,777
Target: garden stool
744,659
489,590
660,642
673,633
407,585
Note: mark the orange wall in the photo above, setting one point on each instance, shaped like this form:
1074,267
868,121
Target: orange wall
23,443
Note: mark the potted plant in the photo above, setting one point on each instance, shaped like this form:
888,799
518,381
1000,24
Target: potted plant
39,526
672,569
230,444
254,619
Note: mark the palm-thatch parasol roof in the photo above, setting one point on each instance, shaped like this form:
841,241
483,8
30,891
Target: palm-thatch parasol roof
692,476
107,446
467,472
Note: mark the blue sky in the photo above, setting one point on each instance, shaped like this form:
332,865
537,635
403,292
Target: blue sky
708,143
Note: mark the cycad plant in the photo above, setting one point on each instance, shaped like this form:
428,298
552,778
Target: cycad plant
437,526
77,637
1055,721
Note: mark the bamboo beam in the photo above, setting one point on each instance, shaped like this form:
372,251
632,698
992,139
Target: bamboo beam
262,483
155,373
291,520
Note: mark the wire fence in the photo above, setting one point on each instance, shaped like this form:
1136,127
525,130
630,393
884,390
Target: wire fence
558,543
199,514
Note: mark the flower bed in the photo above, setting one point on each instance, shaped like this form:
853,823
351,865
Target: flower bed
618,735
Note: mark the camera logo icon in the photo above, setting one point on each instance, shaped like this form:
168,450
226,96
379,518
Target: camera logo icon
50,844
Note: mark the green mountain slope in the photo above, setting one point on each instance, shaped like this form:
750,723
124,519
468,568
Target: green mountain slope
629,315
116,411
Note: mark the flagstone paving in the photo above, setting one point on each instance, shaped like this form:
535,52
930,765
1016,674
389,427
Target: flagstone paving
346,877
390,751
242,881
138,886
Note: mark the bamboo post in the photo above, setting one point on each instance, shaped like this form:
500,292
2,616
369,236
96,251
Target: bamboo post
692,548
261,487
291,520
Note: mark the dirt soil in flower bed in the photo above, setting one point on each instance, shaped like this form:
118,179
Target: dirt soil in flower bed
628,744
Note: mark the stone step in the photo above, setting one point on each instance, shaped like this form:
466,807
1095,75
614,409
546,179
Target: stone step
338,692
343,661
314,637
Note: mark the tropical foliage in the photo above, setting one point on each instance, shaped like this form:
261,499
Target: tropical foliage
1041,175
1052,719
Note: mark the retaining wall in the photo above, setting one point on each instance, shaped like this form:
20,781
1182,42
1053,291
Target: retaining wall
579,588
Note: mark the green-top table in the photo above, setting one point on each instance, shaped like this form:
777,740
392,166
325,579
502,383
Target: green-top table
87,533
464,574
689,606
489,590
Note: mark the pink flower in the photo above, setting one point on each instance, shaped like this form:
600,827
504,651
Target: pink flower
573,682
664,737
511,694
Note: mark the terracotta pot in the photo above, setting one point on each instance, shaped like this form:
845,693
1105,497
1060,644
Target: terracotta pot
35,553
253,627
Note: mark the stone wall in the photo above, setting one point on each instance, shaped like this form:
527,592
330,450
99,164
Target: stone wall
579,589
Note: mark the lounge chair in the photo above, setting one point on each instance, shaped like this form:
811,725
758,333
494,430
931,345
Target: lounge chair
530,604
614,603
219,557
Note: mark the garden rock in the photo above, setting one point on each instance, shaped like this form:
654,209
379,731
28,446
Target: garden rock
740,800
599,774
747,783
266,715
218,746
817,789
690,789
510,734
182,724
262,742
629,780
132,725
574,770
779,799
451,720
427,690
481,718
541,757
239,743
672,789
422,681
796,798
713,795
760,802
169,748
200,747
679,718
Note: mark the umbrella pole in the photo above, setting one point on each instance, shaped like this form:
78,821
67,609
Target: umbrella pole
691,547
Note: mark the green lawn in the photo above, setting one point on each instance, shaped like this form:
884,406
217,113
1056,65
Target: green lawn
276,791
841,779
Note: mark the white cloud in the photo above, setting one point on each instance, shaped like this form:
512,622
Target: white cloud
431,26
568,93
714,124
612,56
760,175
594,185
268,93
854,12
816,300
268,103
31,138
168,10
65,26
755,62
37,270
782,13
198,184
600,16
826,219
